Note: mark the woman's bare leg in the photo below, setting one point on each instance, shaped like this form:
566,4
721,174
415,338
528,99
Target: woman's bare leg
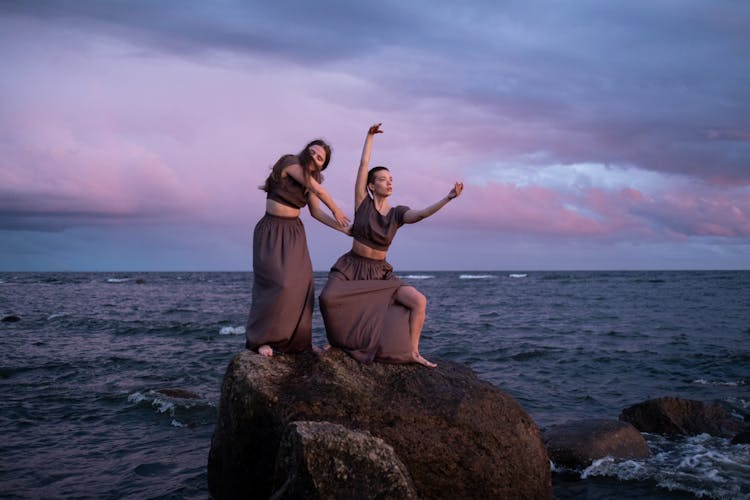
412,299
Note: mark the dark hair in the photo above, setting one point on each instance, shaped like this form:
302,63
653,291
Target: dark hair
371,175
374,170
304,158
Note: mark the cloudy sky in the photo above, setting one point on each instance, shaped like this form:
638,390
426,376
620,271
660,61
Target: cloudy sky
589,134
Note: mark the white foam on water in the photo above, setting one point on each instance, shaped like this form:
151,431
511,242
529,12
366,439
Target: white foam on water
476,276
232,330
177,423
517,275
162,403
608,466
703,465
118,280
719,383
136,397
742,403
418,276
163,406
56,315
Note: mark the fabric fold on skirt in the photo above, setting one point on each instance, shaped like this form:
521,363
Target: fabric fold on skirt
359,311
283,287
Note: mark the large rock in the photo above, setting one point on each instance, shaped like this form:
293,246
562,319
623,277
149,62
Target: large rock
325,460
681,417
578,443
459,437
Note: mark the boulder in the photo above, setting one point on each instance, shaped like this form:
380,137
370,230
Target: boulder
458,436
325,460
578,443
681,417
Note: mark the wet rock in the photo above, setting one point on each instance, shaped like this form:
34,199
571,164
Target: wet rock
325,460
681,417
178,393
742,438
578,443
10,318
459,437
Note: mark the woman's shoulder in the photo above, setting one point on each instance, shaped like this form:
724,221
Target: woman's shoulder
287,159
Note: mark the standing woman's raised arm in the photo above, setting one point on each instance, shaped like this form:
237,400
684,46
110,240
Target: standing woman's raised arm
360,187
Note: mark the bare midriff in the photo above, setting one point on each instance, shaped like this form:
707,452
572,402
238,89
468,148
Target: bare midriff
370,253
273,207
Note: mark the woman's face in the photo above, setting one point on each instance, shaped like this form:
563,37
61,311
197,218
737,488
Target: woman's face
382,184
318,155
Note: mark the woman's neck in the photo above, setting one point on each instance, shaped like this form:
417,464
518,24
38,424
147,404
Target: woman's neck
381,204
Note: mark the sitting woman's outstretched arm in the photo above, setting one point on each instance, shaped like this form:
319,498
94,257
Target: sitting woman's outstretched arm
412,215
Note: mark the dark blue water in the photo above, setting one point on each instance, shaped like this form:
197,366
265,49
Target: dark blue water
85,375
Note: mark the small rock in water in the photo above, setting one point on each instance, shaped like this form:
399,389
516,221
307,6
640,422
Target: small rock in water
178,393
673,416
578,443
11,318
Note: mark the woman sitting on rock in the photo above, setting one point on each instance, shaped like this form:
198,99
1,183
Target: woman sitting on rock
367,310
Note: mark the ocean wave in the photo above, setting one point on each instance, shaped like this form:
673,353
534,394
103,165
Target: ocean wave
517,275
719,383
161,405
702,465
232,330
57,315
476,276
418,276
168,401
119,280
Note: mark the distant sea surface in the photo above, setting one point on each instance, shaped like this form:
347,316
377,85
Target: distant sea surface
109,382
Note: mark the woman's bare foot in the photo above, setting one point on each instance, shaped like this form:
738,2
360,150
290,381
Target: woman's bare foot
265,350
422,361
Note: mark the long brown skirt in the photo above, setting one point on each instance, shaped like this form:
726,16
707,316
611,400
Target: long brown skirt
283,287
359,311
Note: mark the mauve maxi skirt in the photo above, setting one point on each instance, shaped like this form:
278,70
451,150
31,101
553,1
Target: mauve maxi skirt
359,311
283,287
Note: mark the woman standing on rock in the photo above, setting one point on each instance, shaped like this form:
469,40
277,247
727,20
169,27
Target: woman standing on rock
367,310
283,290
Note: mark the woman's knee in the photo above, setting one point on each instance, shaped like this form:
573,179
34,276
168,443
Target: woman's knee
412,298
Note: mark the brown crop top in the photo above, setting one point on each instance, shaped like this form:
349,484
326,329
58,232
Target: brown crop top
288,191
373,229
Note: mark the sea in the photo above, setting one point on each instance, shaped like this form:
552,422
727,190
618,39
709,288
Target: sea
110,382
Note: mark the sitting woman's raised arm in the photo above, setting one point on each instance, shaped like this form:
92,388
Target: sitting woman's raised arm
360,186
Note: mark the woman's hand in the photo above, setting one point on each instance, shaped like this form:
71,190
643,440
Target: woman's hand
342,219
375,129
456,191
